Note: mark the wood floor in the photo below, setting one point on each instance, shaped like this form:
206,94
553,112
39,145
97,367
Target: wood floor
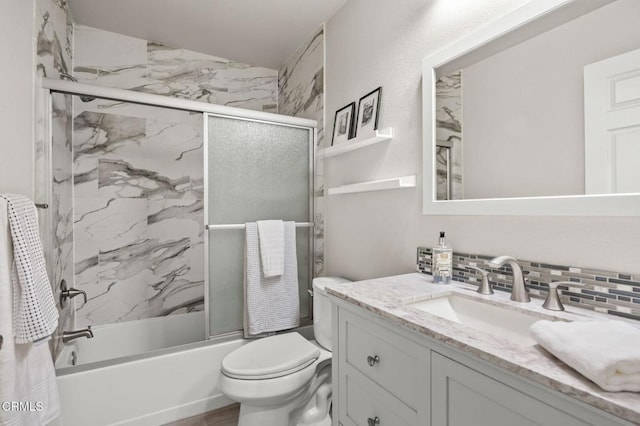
226,416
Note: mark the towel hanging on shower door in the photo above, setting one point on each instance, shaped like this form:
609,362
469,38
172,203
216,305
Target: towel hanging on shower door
270,303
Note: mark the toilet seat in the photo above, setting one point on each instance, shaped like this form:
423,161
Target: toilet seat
271,357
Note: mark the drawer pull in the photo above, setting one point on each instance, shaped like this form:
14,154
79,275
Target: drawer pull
373,360
374,421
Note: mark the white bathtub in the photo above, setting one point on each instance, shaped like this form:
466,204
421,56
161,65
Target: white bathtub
144,389
133,337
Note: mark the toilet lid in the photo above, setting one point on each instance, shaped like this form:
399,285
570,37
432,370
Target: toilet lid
270,357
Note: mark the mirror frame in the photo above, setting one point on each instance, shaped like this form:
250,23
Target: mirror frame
572,205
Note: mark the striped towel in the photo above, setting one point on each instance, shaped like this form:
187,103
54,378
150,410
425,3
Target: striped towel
270,303
35,316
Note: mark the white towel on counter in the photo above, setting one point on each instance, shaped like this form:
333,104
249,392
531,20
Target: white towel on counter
271,237
27,374
35,316
606,352
270,303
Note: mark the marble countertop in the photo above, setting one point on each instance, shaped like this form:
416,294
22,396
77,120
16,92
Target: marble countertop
388,298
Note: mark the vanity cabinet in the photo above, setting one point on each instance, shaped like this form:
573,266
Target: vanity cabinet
460,396
384,377
387,375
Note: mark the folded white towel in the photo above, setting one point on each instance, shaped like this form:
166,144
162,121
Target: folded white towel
35,316
270,304
27,374
271,235
606,352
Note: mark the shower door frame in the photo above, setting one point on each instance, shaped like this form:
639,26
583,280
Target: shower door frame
50,86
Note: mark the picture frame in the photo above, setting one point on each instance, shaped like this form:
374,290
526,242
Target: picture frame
368,112
343,124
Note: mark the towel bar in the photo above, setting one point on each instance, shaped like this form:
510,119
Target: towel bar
242,226
42,205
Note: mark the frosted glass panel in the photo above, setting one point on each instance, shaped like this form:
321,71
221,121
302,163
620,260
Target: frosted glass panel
257,171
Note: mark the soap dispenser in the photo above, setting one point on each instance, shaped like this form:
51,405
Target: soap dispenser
442,262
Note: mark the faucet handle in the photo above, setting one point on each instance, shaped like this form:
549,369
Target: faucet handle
70,293
485,287
553,302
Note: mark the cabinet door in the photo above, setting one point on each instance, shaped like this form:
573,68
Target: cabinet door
461,396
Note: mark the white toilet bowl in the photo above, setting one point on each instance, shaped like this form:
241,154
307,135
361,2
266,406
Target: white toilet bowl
284,380
270,396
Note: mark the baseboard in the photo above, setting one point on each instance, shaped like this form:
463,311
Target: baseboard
178,412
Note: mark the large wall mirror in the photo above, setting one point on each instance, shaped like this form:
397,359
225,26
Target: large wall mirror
537,114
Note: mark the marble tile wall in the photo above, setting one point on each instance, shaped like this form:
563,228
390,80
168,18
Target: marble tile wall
301,94
138,173
108,59
53,185
449,136
613,293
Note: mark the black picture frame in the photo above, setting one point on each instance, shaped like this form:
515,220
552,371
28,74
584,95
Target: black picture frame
343,125
368,111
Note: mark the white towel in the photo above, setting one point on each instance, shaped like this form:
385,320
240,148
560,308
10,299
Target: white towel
271,236
27,375
35,316
606,352
270,304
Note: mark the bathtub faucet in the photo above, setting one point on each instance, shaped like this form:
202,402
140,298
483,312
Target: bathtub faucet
68,336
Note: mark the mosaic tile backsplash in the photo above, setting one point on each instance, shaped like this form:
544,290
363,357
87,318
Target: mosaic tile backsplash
602,291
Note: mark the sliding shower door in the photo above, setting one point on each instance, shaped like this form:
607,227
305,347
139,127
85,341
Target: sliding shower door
256,171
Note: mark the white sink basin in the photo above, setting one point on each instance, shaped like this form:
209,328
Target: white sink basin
496,320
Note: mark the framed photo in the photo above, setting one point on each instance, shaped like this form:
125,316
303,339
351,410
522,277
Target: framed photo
343,124
368,112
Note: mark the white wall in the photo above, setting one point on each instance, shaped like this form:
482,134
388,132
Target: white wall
382,42
16,100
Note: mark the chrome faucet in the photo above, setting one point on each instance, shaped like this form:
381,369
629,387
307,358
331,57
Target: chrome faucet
68,336
519,291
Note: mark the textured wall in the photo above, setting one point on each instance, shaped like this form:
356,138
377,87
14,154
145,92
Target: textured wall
138,173
301,94
371,43
16,103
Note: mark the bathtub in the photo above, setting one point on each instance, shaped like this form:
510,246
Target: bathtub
150,388
114,341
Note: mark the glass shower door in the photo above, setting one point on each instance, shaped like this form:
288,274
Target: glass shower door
256,171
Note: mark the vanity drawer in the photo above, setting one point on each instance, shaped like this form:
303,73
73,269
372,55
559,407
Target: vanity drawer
390,360
367,403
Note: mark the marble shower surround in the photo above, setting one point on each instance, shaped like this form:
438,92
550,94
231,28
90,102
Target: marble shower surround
54,37
607,292
138,212
138,174
108,59
301,94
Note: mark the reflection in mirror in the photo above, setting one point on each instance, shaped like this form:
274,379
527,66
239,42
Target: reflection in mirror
553,113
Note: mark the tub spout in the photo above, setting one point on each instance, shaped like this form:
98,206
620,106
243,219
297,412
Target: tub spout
68,336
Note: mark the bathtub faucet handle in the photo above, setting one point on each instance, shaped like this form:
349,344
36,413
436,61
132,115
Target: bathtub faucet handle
70,293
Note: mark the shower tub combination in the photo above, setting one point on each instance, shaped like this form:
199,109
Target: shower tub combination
147,389
156,370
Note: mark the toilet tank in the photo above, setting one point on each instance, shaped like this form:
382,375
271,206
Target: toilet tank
322,310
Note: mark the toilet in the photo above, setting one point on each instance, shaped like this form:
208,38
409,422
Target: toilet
285,380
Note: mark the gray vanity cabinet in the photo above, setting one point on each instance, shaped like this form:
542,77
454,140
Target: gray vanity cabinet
386,375
460,396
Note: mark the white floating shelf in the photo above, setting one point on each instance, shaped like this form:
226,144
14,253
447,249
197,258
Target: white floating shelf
376,185
380,136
